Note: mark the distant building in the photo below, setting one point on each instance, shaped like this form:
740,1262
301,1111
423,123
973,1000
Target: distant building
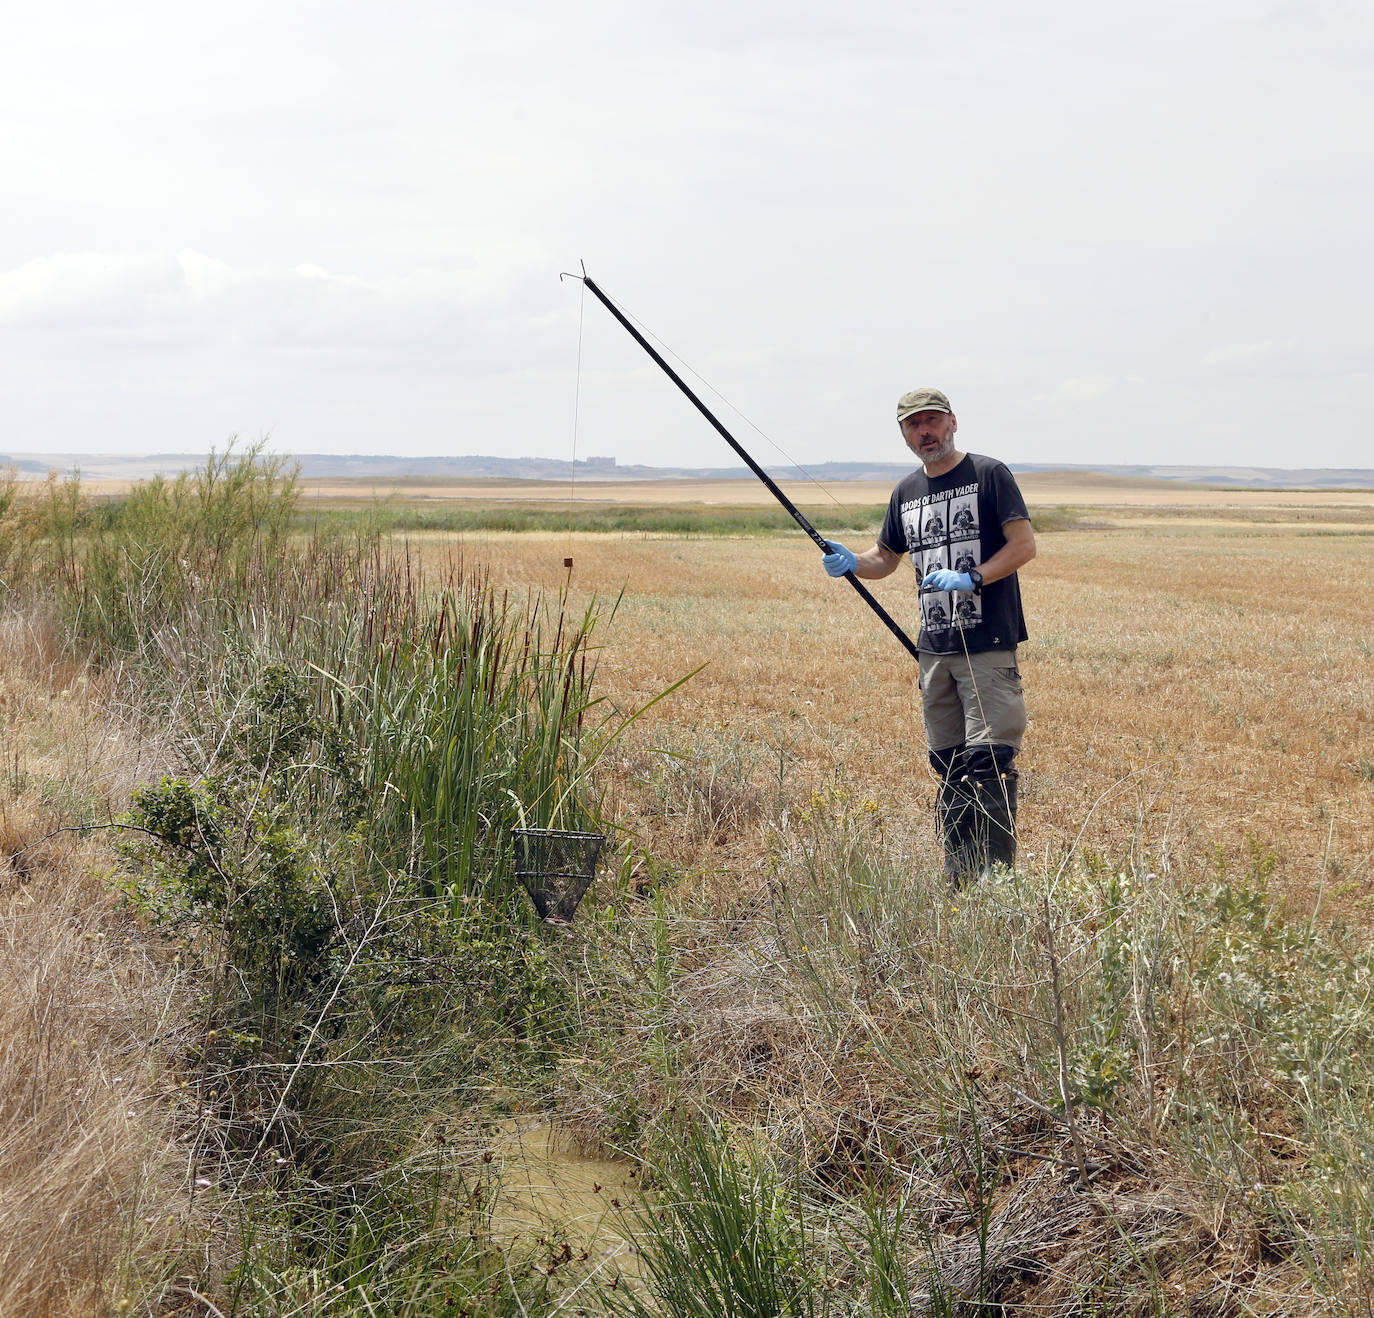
600,464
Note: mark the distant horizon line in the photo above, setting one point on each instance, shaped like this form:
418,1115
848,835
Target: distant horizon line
611,463
380,469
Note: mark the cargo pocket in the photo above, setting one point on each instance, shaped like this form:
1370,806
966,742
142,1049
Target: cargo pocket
1007,712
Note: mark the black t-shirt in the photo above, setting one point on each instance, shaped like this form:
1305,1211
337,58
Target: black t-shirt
955,521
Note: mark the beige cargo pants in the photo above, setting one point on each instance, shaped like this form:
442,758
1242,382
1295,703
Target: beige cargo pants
972,699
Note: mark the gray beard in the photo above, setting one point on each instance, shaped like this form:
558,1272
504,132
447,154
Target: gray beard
939,455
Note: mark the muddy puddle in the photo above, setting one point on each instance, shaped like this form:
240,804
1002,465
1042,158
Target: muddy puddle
547,1184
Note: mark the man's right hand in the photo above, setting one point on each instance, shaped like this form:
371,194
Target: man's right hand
839,560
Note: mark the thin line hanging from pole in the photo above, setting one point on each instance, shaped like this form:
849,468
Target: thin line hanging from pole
577,411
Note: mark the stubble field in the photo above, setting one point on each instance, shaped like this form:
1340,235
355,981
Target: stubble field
1199,680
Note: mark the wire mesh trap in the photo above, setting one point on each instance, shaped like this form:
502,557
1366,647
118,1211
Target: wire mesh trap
557,867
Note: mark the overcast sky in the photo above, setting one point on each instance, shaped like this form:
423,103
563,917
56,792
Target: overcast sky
1135,232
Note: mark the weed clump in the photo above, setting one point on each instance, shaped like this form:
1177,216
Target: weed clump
1085,1087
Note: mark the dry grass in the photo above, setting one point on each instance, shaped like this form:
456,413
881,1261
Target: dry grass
92,1166
1192,685
880,1043
1188,686
840,1011
88,1162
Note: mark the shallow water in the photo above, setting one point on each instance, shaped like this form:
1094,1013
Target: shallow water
546,1183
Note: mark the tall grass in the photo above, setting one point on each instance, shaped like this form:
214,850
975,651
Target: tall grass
38,534
117,568
475,718
347,746
349,779
414,1242
74,1158
91,1166
722,1236
450,712
1090,1089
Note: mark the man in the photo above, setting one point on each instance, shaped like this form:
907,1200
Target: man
962,509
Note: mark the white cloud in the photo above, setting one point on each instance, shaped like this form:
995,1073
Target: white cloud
1081,389
205,277
88,288
468,319
1244,355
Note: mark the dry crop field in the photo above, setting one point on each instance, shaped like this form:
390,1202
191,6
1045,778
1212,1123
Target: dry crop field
1199,676
1120,493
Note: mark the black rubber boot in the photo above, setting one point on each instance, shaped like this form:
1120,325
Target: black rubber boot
959,821
997,822
957,814
993,780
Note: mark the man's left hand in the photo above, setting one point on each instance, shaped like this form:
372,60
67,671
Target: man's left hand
944,579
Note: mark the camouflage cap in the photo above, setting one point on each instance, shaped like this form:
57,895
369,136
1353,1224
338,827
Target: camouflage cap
922,400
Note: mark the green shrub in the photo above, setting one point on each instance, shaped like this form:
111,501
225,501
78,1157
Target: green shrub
365,785
216,864
135,562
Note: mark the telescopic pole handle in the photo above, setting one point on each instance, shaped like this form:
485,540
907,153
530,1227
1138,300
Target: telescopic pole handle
817,538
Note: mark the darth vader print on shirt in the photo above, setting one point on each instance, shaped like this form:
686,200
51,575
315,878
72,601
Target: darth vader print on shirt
943,529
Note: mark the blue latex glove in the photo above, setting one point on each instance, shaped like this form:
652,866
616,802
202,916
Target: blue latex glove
944,579
839,560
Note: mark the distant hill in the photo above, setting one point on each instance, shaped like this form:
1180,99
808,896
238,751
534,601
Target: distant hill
332,466
1253,478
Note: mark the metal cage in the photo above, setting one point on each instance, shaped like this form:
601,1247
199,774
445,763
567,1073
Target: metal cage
556,866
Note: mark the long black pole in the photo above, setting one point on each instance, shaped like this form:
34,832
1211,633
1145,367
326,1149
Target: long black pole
888,620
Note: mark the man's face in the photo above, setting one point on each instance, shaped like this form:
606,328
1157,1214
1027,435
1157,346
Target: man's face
930,435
